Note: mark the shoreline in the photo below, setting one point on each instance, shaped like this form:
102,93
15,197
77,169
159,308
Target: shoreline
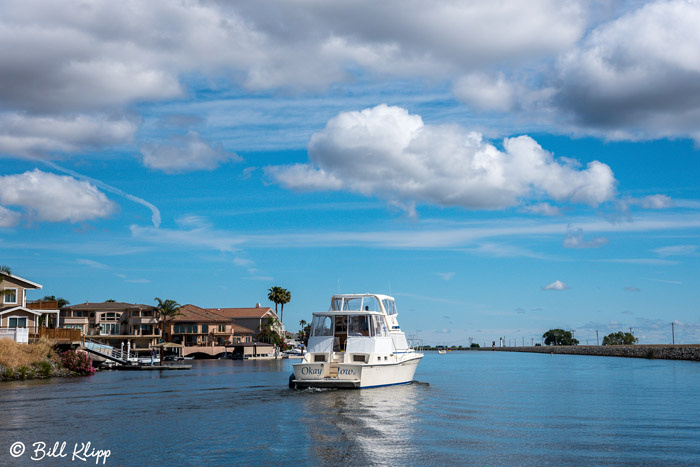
689,352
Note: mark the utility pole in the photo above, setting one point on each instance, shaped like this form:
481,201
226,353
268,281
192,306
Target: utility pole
631,331
597,342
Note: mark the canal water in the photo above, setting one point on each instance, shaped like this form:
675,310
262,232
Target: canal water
479,408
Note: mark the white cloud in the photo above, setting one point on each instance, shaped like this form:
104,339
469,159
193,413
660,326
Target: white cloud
386,152
8,218
574,239
91,263
676,250
656,202
485,92
54,198
638,76
35,135
186,153
446,276
199,237
556,285
544,209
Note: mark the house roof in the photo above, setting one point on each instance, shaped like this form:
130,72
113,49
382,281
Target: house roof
108,306
241,329
27,284
244,312
195,313
19,308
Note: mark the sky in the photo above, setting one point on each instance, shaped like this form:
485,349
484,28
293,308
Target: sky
501,168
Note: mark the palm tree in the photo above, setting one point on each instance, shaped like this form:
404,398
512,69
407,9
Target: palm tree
166,311
279,296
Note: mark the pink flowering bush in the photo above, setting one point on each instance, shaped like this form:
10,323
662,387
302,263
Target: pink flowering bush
78,362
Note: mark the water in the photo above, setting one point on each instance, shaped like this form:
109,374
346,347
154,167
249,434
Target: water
488,408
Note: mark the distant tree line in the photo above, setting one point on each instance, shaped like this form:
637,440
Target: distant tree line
562,337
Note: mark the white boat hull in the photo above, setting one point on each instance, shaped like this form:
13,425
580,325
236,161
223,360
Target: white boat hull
356,375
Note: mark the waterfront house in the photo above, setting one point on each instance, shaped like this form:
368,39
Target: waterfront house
219,331
19,318
114,323
196,326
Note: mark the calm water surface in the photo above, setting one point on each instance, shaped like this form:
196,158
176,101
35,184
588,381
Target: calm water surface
488,408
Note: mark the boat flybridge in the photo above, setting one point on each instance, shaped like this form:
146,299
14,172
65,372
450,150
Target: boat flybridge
356,344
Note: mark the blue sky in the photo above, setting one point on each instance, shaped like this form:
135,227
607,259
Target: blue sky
501,170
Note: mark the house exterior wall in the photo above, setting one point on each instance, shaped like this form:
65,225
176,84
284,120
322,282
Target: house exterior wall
20,298
32,319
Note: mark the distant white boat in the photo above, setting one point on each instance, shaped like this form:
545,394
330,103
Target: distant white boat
442,351
356,344
293,353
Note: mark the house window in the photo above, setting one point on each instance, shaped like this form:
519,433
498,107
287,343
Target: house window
109,328
222,328
205,329
16,322
247,338
10,296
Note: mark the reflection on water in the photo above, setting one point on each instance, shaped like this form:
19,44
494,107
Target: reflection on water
486,408
365,427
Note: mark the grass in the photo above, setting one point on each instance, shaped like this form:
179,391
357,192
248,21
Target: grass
15,357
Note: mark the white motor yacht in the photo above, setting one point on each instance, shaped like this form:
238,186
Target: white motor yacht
356,344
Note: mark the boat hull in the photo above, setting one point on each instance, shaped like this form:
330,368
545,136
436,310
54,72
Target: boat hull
355,375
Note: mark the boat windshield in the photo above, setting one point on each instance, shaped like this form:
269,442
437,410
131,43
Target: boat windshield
389,306
321,326
355,304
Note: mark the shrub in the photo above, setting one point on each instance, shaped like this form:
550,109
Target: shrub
13,355
78,362
44,368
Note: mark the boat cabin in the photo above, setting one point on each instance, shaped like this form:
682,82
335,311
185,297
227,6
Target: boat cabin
357,324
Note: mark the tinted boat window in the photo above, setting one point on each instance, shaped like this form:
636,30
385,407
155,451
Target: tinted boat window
379,327
336,304
389,306
321,326
358,325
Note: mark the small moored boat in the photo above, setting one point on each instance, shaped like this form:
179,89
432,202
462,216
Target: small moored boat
356,344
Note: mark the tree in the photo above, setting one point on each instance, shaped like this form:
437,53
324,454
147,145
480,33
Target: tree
304,332
279,296
620,338
268,333
166,310
559,337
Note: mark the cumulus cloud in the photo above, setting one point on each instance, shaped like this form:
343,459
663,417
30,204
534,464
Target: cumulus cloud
54,198
637,76
186,153
556,285
574,239
27,135
386,152
8,218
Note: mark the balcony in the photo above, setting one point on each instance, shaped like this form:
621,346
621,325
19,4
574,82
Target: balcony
43,305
